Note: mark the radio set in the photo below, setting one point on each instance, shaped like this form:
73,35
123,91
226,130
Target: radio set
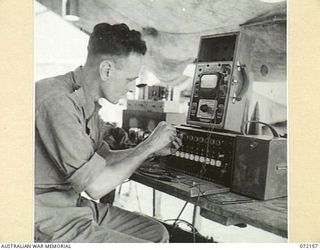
220,85
254,166
215,145
207,155
217,101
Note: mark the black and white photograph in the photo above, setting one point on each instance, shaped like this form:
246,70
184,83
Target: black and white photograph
160,121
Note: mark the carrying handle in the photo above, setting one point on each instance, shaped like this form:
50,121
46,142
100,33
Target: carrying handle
242,83
272,129
281,167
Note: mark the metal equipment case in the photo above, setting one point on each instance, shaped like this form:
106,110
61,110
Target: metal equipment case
230,66
260,167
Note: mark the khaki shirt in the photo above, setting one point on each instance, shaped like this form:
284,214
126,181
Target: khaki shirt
68,138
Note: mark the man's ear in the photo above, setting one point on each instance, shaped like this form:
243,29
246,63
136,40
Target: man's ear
105,69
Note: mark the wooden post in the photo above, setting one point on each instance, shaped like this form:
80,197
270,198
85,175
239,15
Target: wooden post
196,219
156,203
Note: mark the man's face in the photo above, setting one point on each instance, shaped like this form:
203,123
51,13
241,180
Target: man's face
122,77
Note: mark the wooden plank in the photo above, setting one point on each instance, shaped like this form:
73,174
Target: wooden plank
226,221
163,186
269,215
189,186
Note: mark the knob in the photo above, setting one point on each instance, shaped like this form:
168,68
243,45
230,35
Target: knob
182,154
212,141
180,135
177,153
212,162
201,159
201,139
204,108
218,163
196,157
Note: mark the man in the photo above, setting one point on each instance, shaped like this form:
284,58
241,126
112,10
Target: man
71,156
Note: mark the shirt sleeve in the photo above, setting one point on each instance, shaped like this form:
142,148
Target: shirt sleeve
104,149
59,125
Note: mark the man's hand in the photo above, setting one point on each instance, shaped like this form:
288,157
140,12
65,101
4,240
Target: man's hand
170,149
164,139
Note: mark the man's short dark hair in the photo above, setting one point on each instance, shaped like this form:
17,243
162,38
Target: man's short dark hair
115,40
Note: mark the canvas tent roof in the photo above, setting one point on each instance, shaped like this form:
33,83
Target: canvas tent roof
178,25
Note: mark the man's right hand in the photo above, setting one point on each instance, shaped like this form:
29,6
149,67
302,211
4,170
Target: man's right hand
162,136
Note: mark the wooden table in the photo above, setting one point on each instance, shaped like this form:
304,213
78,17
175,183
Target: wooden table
268,215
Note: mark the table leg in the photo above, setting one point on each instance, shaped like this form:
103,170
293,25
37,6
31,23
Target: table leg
156,203
196,219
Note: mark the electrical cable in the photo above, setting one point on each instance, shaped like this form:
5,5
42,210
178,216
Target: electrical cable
186,222
181,211
203,169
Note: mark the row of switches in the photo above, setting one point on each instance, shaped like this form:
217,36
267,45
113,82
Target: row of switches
198,158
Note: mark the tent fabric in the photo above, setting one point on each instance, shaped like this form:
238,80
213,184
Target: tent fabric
178,25
164,57
172,31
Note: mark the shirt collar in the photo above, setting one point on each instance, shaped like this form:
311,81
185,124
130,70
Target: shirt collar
79,97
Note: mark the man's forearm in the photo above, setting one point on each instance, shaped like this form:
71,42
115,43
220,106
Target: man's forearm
118,171
113,156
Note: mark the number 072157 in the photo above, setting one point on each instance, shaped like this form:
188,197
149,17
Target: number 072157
308,245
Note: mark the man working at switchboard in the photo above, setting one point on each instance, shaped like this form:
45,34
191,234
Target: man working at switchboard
71,155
